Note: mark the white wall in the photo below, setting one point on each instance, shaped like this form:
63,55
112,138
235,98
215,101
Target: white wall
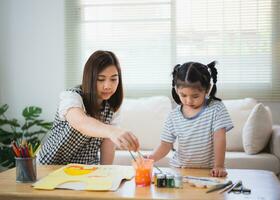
31,54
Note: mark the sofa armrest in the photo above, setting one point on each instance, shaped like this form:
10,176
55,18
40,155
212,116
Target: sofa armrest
275,141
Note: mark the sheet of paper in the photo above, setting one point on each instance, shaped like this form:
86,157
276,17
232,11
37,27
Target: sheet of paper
86,177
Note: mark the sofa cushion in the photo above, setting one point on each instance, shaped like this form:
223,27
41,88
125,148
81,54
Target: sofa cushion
262,161
145,118
274,146
233,160
257,129
239,110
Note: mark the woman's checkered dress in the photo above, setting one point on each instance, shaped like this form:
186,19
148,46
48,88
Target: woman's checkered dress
67,145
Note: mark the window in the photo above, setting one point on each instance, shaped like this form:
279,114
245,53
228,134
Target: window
151,36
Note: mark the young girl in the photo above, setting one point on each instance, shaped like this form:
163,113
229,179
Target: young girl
199,122
82,124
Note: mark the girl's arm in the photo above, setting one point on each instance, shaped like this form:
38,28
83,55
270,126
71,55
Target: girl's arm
107,152
92,127
219,153
161,151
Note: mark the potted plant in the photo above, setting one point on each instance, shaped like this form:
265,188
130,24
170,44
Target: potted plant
32,129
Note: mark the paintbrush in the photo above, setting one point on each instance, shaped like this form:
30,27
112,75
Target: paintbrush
140,158
219,187
132,156
226,189
239,183
201,179
139,153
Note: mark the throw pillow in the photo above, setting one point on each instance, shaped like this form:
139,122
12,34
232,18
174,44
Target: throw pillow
257,129
239,111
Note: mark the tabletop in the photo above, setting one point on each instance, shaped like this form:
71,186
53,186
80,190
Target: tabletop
263,185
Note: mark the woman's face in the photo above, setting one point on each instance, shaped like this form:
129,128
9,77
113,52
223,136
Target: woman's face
107,82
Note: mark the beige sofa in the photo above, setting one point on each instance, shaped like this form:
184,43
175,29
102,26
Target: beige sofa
253,143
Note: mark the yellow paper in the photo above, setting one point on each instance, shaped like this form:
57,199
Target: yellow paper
92,177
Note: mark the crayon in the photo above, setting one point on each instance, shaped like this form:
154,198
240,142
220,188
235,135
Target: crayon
37,149
15,150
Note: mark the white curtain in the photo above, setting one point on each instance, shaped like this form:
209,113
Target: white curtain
150,36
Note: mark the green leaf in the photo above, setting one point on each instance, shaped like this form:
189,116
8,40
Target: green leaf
34,140
6,138
17,135
46,125
10,165
4,132
5,163
12,122
4,122
29,124
7,158
34,130
3,109
31,112
30,134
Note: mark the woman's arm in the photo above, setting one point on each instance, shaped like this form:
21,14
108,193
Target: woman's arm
107,152
161,151
92,127
219,153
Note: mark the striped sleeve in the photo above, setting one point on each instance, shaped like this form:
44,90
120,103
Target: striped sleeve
222,119
168,130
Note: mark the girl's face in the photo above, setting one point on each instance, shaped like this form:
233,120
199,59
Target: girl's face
107,82
191,97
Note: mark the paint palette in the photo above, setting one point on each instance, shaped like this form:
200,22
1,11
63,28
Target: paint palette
202,182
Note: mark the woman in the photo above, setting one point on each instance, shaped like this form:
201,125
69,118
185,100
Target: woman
84,121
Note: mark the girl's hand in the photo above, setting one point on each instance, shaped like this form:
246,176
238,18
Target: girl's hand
125,140
218,172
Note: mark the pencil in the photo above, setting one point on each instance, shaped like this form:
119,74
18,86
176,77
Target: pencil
30,150
36,150
15,150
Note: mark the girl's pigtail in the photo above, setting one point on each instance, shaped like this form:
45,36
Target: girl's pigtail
214,74
174,78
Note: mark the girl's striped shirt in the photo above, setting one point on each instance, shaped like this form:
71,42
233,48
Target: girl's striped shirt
194,135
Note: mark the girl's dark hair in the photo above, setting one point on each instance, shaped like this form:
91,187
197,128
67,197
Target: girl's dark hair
194,74
96,63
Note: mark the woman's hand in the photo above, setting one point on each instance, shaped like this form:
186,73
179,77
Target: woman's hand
94,128
148,156
125,140
218,172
